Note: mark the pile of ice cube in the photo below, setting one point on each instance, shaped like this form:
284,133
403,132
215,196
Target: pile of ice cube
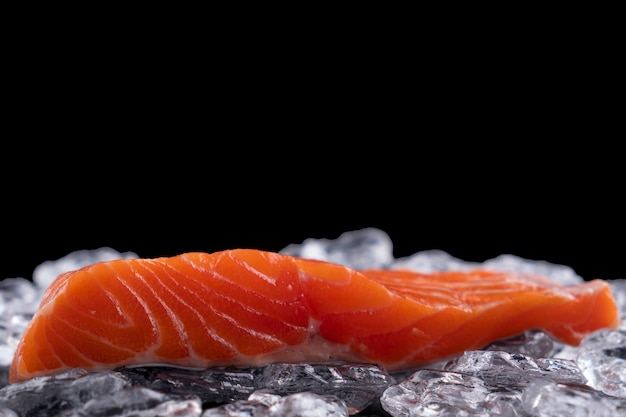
529,375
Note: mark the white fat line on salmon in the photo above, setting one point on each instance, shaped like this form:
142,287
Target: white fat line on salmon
67,345
217,276
93,336
264,297
175,320
238,261
249,268
114,300
194,265
207,328
246,329
238,302
131,290
303,276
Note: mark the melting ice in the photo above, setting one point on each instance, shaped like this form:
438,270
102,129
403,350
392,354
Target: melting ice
528,375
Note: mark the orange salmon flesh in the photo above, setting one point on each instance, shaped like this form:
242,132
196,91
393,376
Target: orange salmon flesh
246,307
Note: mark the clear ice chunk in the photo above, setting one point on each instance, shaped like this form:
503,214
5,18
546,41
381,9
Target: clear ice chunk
18,294
433,260
360,249
79,393
602,359
546,398
267,404
562,274
357,385
48,396
533,343
497,367
487,383
213,385
308,404
19,300
138,402
436,260
449,394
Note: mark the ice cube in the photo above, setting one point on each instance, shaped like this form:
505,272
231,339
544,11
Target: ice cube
533,343
562,274
359,249
213,385
546,398
496,367
433,260
449,394
602,359
266,404
357,385
52,395
138,402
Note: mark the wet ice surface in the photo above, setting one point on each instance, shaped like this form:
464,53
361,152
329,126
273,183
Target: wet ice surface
528,375
356,385
431,392
267,404
81,394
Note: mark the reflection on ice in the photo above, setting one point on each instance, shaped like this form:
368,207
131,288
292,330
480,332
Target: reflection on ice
513,368
356,385
448,394
266,404
535,344
500,384
80,394
363,249
528,375
546,398
602,359
274,390
18,301
51,395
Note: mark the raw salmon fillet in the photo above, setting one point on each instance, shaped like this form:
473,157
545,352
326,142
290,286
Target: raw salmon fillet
247,307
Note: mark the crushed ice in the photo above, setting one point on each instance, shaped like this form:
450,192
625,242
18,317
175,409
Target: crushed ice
528,375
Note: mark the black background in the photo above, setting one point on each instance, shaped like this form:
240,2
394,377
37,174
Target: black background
473,147
475,138
474,202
